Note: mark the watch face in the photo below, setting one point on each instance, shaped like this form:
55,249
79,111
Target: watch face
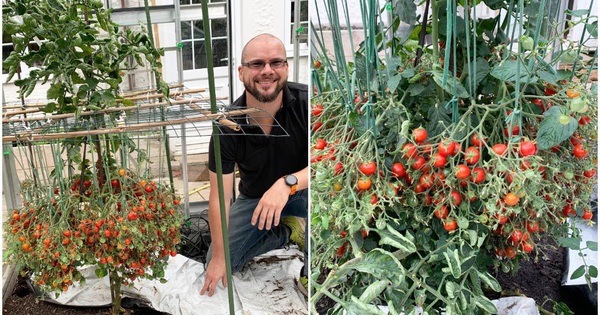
291,180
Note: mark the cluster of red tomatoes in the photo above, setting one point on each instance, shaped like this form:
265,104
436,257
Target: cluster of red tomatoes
131,229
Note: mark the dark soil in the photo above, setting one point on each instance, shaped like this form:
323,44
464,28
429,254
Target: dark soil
24,302
539,280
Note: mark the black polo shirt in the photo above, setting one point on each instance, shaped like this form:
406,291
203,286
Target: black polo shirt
262,159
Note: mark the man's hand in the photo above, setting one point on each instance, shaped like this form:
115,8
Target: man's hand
214,272
268,210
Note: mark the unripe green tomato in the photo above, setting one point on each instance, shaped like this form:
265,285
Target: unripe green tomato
526,43
569,56
578,105
568,174
380,224
564,119
483,218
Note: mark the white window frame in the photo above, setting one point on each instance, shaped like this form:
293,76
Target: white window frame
303,49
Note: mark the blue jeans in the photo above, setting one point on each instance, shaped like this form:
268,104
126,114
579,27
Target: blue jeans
246,241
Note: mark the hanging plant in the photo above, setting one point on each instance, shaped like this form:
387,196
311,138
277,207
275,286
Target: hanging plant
91,208
479,147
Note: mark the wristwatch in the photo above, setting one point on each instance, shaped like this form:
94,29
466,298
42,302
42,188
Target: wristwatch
291,181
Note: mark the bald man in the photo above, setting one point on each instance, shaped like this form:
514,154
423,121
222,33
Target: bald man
273,166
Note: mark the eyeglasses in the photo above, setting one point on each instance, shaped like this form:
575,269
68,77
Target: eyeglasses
260,64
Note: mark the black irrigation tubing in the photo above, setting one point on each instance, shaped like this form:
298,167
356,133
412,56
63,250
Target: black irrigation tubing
422,34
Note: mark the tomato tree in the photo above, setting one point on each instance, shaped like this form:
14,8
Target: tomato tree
478,146
90,205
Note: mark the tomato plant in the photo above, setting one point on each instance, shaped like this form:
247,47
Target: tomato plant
477,156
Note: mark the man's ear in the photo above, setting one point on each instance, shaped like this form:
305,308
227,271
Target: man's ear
240,69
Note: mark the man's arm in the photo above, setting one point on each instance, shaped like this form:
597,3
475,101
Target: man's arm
216,270
269,208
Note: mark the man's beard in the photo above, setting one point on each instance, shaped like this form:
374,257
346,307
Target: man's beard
265,98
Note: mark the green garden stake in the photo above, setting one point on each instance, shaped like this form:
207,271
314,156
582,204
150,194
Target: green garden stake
7,152
388,7
300,29
179,45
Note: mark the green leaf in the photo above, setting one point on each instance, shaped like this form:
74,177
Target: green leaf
451,289
507,71
489,280
382,265
453,262
592,245
49,108
593,271
578,13
359,307
578,272
56,5
397,240
452,86
569,242
485,304
373,290
551,132
592,28
406,11
415,89
463,223
55,91
101,272
393,82
494,4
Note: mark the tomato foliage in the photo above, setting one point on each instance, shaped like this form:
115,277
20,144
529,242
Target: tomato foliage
457,193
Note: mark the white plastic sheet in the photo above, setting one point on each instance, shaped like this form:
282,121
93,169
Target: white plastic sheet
265,286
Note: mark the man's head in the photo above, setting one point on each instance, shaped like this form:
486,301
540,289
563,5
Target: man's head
264,68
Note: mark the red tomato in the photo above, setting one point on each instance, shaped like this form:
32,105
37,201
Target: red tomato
500,149
527,148
477,140
398,170
587,215
338,168
368,168
132,216
456,198
589,173
439,160
419,135
527,247
321,144
149,188
568,210
462,171
317,126
511,252
533,226
441,212
425,181
515,131
477,175
584,120
317,110
579,151
472,155
410,150
342,250
539,103
114,183
516,236
418,163
67,233
374,199
446,147
450,225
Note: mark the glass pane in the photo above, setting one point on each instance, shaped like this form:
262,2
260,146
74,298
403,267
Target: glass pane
184,2
217,0
196,1
293,10
186,30
220,53
198,30
305,32
186,54
303,10
219,27
200,54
